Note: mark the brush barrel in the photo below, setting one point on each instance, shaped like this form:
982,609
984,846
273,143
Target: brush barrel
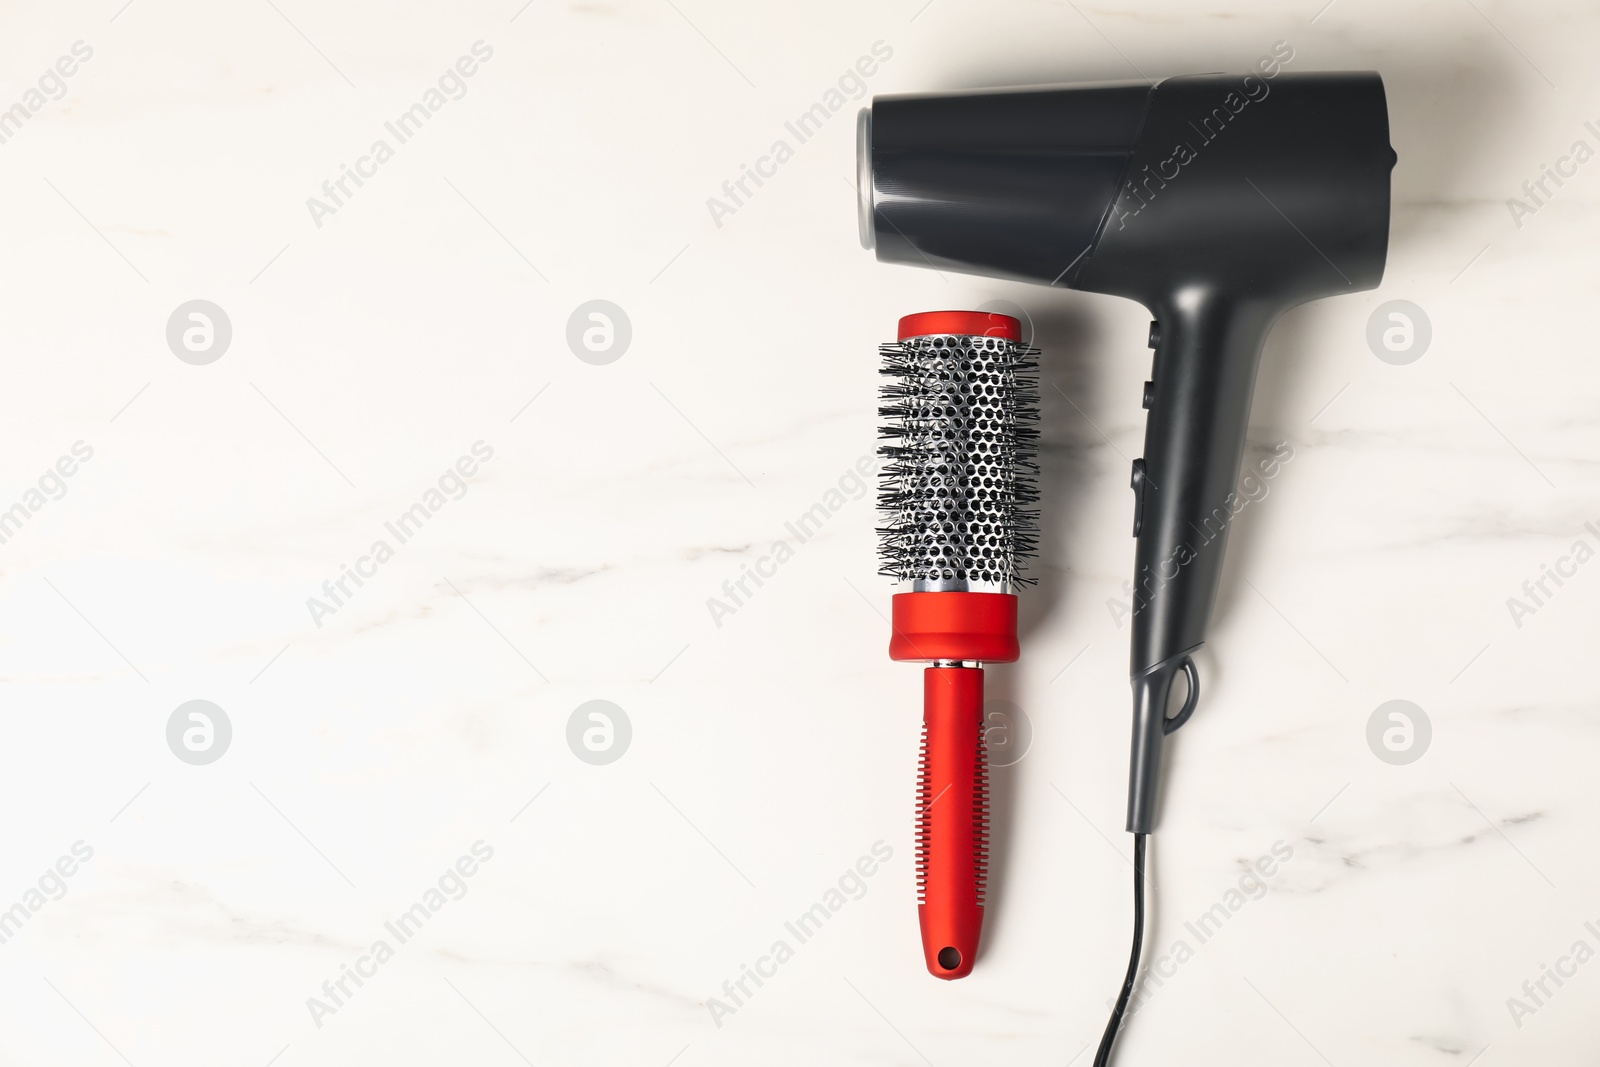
958,410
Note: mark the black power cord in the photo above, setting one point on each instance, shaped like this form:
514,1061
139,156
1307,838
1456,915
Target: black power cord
1103,1057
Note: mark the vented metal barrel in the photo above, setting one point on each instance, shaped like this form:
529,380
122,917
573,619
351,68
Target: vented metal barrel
960,471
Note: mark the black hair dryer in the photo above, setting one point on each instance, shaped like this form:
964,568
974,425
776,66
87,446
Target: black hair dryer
1217,201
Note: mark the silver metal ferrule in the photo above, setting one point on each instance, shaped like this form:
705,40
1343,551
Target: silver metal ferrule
864,191
960,585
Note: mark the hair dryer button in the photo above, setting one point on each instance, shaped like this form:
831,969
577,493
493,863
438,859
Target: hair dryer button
1138,495
1149,395
1155,333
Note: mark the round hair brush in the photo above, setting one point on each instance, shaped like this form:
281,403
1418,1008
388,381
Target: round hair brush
955,491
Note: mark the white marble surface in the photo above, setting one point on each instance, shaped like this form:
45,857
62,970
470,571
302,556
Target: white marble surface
768,753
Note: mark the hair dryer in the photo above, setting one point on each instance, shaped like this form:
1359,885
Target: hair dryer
1218,202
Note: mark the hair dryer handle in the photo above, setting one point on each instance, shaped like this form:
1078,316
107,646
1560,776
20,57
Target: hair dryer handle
1186,485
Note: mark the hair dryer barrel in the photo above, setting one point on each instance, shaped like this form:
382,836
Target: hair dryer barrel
1275,187
1007,184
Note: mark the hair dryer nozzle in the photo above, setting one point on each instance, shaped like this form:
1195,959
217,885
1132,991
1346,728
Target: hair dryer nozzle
1011,184
864,178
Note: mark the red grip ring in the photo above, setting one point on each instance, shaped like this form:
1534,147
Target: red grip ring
961,323
959,626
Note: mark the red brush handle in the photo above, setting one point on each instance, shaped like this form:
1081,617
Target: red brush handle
952,820
953,788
